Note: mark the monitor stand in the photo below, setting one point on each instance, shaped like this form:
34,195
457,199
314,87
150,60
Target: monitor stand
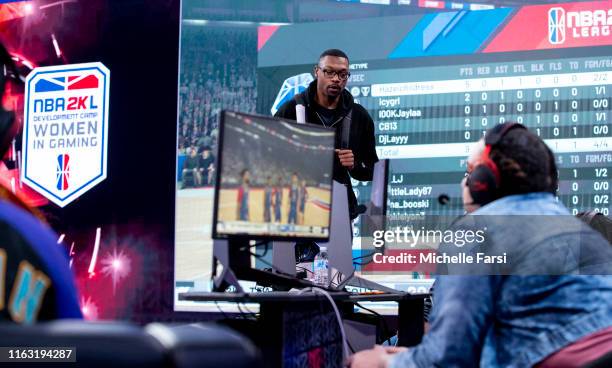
234,256
340,247
283,257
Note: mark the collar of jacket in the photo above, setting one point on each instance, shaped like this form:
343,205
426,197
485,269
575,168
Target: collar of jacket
346,99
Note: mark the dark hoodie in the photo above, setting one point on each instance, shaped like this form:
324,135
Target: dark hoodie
361,137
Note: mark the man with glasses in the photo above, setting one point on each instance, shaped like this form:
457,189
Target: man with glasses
328,103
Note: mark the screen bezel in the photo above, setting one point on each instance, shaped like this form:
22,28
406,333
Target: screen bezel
219,165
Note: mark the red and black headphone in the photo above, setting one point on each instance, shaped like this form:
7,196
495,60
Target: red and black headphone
485,179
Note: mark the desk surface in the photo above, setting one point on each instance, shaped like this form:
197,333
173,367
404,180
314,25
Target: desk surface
283,296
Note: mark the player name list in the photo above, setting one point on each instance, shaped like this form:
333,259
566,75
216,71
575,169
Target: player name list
427,126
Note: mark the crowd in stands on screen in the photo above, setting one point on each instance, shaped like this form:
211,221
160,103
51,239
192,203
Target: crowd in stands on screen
191,172
207,167
198,170
210,82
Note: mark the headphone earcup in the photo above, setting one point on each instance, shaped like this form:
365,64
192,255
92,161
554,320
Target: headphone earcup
483,183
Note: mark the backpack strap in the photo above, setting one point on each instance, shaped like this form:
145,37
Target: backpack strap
346,129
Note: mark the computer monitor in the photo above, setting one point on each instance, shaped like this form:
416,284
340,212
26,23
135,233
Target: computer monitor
377,206
374,217
275,179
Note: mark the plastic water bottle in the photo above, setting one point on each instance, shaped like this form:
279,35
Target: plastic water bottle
321,268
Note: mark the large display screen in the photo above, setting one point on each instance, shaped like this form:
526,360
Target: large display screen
434,84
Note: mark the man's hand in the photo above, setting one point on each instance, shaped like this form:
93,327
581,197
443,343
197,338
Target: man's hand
347,159
378,357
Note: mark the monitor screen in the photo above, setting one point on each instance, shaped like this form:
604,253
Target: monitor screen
433,85
275,178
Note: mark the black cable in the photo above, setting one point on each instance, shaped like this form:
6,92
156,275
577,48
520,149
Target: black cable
337,276
305,269
270,264
255,315
267,244
367,255
242,314
260,257
350,346
364,263
255,245
221,310
245,315
384,321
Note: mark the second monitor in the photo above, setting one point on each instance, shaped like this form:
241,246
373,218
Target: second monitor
274,179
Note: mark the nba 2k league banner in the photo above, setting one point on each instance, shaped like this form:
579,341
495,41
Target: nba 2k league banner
65,130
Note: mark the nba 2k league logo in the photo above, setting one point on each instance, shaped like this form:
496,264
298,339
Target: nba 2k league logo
556,26
578,24
65,130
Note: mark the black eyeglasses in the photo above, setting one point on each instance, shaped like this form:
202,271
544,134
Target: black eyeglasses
331,73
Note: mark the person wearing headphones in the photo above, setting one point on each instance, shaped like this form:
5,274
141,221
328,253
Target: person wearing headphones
544,319
36,283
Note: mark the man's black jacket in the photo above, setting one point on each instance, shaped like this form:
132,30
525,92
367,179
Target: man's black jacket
361,138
